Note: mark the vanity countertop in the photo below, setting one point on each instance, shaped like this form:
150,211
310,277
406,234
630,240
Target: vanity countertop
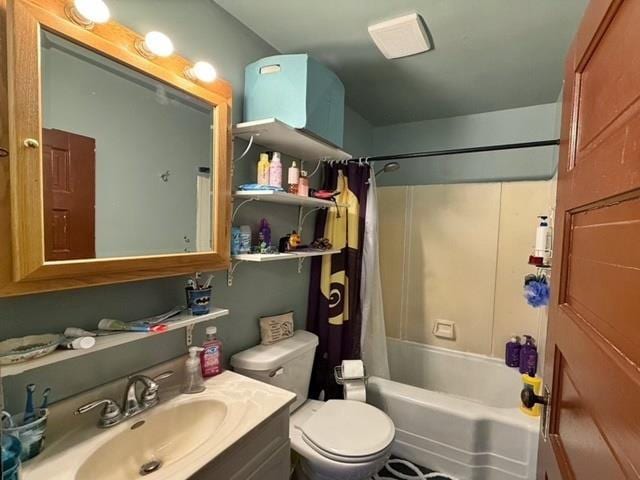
247,404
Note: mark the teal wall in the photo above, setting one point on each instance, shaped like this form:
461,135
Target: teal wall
200,30
505,126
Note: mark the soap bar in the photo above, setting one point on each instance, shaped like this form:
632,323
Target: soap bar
276,328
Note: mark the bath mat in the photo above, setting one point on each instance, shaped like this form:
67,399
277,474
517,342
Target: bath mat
400,469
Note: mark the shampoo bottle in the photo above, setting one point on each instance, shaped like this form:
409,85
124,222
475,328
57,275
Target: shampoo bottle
512,352
528,357
193,381
535,384
263,169
211,354
275,171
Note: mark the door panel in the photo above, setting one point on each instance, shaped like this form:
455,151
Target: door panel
68,164
593,342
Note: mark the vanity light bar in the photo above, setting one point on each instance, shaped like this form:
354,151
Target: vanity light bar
87,13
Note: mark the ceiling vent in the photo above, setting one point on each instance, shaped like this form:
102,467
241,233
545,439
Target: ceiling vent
401,37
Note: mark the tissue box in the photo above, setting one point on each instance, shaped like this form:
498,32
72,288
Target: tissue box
298,91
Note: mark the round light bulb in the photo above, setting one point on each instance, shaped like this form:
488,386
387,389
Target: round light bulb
203,71
94,11
158,44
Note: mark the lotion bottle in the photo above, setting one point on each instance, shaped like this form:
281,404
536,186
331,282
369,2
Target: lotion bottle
211,354
275,171
193,381
263,169
292,178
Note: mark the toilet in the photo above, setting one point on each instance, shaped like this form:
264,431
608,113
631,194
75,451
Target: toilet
337,439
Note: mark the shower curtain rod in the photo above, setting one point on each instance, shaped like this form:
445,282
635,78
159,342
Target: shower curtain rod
457,151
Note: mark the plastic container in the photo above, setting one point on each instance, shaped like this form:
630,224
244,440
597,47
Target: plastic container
263,169
303,184
293,176
298,91
535,384
198,300
193,381
245,239
31,435
211,354
275,171
11,452
512,352
528,357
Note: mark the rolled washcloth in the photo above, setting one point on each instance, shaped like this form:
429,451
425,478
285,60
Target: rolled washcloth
352,369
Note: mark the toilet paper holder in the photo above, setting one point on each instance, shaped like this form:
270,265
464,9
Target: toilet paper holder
337,373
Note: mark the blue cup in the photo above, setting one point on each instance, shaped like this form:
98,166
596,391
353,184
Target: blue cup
31,435
198,300
11,451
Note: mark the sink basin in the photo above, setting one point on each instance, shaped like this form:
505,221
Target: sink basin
155,441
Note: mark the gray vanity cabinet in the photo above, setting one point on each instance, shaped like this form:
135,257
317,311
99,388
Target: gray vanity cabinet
262,454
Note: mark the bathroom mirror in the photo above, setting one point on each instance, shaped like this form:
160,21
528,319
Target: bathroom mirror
119,161
126,159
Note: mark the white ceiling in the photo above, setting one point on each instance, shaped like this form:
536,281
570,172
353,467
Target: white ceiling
489,54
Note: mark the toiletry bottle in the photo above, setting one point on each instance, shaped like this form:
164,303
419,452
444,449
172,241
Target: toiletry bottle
292,178
512,352
264,235
528,356
534,383
193,381
275,171
263,169
211,354
543,238
245,239
303,184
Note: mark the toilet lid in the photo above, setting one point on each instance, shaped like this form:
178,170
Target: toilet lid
347,428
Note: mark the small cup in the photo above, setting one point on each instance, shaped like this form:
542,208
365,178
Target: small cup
198,300
31,435
11,450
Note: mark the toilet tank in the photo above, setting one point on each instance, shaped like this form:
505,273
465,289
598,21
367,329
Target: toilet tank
286,364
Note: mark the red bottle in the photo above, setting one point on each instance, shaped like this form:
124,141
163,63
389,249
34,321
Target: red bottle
211,355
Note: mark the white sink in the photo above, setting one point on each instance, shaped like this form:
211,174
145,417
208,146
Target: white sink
170,441
155,442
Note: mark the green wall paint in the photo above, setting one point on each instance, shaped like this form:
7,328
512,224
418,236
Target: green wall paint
200,30
505,126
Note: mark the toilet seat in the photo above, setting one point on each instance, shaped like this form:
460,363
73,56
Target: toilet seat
348,431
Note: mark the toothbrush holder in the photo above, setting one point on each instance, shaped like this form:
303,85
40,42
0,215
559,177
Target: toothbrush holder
198,300
31,435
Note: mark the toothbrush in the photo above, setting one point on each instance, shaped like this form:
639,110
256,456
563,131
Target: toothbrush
29,410
45,398
208,282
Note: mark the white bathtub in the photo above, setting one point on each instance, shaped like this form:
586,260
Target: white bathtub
457,413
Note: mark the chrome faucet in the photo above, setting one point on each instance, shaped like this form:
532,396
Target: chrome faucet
132,405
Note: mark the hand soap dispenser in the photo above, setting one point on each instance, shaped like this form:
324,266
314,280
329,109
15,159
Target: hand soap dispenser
193,381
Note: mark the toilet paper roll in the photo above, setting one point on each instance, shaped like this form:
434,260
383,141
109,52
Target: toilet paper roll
352,369
355,390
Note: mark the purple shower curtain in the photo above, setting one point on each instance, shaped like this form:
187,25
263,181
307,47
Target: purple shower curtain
334,309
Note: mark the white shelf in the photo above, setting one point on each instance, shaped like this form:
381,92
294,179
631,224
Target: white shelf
270,257
283,197
275,135
109,341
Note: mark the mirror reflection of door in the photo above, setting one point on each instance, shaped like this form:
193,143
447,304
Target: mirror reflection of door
69,194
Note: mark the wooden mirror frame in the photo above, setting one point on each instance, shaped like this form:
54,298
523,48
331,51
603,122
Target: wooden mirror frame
23,268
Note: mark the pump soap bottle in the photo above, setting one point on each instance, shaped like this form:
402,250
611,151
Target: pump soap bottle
193,381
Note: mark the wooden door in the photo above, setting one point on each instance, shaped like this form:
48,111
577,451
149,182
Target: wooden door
592,362
68,164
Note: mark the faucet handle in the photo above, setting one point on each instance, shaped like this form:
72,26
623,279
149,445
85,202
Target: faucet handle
150,393
110,415
163,376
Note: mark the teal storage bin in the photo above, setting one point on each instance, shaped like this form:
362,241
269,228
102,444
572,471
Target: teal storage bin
298,91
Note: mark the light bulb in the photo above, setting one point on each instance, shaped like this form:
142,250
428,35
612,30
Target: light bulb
156,44
203,71
88,12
